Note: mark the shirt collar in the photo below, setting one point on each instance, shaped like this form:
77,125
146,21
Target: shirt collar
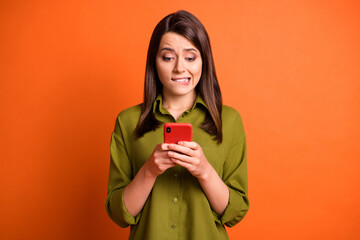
199,101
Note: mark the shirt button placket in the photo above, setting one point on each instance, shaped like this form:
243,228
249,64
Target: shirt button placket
174,205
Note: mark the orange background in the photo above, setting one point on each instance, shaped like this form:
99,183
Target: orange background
291,68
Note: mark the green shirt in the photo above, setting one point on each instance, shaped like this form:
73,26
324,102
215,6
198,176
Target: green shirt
177,207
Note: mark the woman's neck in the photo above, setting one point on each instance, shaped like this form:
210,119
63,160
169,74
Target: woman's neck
176,105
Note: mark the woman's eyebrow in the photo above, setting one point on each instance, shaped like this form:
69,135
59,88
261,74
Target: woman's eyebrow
172,50
167,49
190,50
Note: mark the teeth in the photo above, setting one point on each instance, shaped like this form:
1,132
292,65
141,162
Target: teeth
182,80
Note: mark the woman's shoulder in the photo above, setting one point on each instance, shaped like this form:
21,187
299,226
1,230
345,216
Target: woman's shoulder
131,113
230,112
231,117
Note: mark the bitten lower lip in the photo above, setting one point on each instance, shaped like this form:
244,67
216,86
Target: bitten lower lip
183,81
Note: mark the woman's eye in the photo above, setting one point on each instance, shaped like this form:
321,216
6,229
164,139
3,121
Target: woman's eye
167,59
190,59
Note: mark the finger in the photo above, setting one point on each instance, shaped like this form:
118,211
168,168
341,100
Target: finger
162,157
181,149
179,156
164,163
181,163
192,145
163,146
170,164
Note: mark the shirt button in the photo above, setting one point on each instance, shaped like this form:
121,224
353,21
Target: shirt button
176,175
173,226
175,200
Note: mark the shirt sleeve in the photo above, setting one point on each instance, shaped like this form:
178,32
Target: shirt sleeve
235,177
120,175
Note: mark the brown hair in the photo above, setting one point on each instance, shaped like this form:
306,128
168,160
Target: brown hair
187,25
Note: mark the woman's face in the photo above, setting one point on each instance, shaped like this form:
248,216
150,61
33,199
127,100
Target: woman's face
179,65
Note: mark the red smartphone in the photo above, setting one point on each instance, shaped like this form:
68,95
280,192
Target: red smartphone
175,132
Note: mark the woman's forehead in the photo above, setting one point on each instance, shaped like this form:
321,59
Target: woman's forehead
174,41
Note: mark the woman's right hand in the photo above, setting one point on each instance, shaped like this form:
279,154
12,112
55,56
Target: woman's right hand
159,160
138,190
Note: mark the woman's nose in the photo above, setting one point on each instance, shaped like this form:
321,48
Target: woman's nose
179,65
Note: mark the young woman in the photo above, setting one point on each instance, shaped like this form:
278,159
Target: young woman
188,190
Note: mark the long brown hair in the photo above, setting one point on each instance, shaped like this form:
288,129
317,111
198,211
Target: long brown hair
187,25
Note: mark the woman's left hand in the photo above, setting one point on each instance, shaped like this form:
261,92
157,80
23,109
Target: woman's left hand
190,156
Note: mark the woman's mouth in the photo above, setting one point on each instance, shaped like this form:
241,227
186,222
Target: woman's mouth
184,81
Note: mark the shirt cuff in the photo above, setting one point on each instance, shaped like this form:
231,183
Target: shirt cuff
234,211
117,211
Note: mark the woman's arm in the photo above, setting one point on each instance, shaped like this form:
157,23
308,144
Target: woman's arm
190,156
138,190
216,190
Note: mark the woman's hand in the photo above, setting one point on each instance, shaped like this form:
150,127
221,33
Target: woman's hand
190,156
138,190
159,160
